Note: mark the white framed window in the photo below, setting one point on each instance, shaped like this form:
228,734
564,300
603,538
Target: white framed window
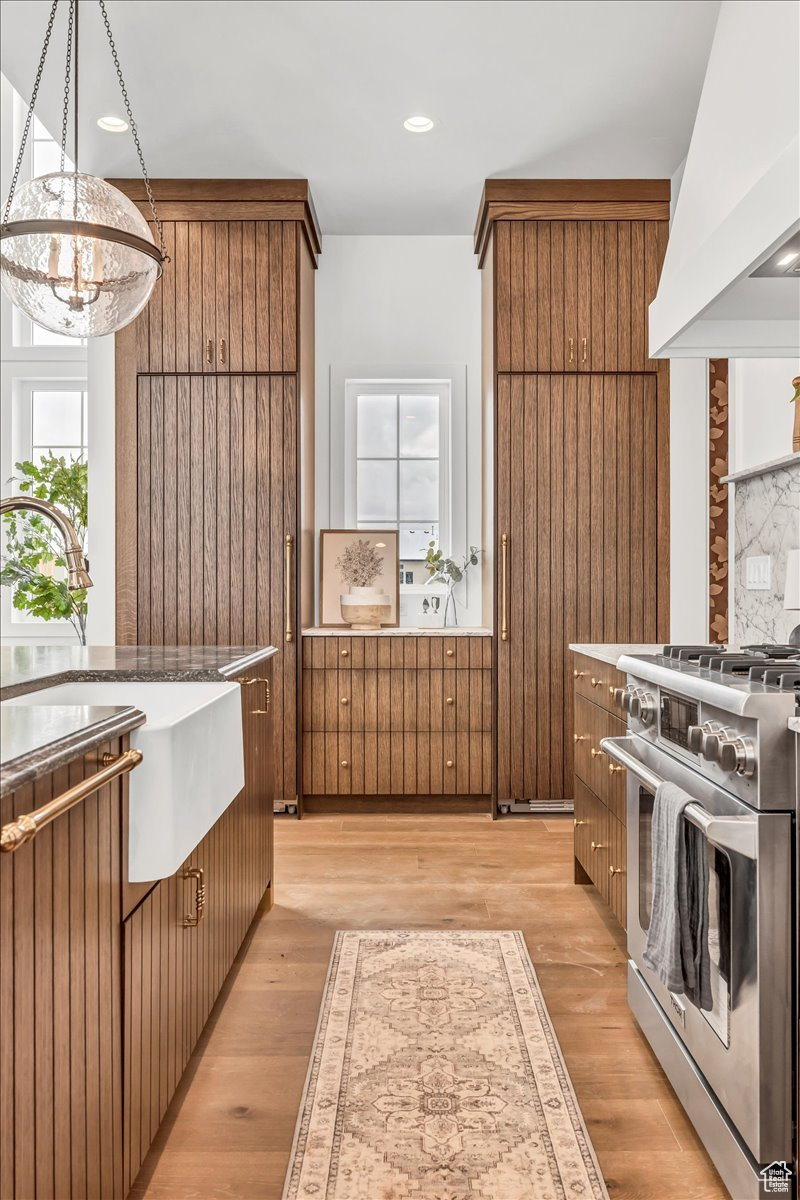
43,383
397,460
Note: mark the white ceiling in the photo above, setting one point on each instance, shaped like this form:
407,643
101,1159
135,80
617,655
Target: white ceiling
271,88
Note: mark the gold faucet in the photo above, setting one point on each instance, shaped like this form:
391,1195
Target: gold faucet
77,566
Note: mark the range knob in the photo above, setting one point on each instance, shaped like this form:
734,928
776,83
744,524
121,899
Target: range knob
695,735
738,754
619,696
642,706
712,744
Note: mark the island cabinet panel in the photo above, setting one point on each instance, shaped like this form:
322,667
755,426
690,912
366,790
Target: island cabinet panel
174,964
61,985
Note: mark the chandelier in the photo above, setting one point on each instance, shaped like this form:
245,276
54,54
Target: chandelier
76,255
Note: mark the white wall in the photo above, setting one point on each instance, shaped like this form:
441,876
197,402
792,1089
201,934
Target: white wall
761,416
389,301
101,623
688,499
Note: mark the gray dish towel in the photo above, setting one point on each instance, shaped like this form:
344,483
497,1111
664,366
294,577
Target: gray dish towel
677,940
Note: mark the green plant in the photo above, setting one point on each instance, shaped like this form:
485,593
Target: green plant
33,563
449,572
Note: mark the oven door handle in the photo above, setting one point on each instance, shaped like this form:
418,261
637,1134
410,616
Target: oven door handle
737,834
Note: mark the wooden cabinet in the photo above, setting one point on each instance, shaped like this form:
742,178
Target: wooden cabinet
402,716
104,988
215,427
581,437
572,296
600,785
61,982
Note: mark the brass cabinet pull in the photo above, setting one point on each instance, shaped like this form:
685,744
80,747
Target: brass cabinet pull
209,351
597,753
289,590
504,587
583,349
580,737
613,769
345,653
267,695
345,763
572,349
615,870
576,822
222,350
595,682
449,653
344,700
578,674
449,762
24,828
597,846
611,689
190,920
450,700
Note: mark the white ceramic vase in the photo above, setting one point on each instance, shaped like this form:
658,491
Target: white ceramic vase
366,607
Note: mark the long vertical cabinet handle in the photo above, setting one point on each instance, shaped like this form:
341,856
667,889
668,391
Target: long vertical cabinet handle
583,349
504,587
209,350
289,589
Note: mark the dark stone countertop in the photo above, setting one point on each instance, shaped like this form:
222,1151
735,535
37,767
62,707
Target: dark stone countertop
38,739
29,668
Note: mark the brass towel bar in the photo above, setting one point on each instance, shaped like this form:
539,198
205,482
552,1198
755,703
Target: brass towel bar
23,829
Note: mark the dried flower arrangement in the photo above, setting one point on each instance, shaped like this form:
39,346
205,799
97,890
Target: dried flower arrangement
359,564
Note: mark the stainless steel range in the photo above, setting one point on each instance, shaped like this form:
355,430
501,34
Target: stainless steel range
715,722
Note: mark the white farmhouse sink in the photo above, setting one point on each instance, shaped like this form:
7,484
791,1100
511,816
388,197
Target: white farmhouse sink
192,762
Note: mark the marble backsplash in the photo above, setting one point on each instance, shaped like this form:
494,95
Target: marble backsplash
767,521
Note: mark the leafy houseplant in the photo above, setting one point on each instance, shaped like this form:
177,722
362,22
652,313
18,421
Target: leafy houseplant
449,572
33,563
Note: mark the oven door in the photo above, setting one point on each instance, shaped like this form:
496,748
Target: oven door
743,1046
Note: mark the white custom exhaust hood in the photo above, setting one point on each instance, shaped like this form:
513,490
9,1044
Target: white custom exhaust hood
739,200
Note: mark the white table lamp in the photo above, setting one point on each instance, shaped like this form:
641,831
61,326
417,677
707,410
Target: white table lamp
791,591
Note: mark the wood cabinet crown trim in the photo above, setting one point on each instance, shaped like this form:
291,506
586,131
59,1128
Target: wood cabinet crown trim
522,199
230,199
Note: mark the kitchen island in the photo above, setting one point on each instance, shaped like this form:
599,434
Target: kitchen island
106,984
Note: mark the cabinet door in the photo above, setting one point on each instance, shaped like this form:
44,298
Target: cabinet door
573,295
226,301
216,498
581,477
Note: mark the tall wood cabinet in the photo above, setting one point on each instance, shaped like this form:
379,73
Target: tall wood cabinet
580,425
215,428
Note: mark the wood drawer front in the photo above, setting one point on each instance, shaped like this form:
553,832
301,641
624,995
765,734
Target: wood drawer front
592,724
394,700
369,763
398,652
592,837
596,680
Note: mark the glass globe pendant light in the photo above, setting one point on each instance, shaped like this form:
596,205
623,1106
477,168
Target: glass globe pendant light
76,255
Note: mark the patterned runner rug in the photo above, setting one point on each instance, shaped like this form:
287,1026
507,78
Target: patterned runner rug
436,1075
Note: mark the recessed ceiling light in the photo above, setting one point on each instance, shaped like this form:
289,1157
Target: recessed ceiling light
787,258
112,124
418,124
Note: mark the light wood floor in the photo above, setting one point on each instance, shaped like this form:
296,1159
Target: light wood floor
229,1131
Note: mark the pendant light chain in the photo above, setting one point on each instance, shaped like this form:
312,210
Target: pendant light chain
65,115
135,134
29,117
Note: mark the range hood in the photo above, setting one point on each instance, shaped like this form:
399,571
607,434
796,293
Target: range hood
738,206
